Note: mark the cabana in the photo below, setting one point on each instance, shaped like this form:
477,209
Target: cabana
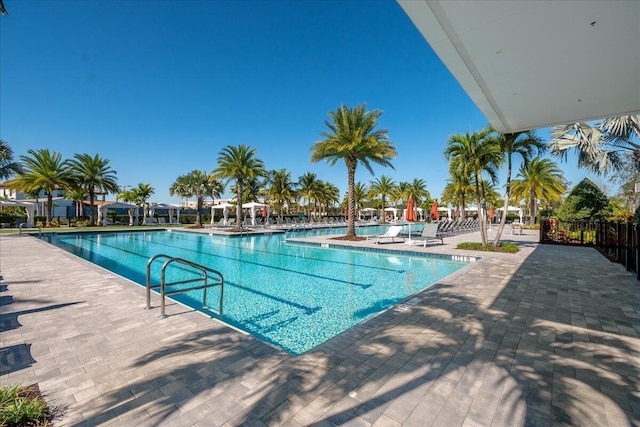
394,210
29,207
225,211
168,208
104,207
255,206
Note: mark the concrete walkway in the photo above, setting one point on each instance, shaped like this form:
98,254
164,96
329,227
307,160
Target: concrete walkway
548,336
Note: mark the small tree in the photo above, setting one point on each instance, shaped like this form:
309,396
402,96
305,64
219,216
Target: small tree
585,201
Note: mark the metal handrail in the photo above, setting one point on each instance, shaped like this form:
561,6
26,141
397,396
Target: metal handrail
204,279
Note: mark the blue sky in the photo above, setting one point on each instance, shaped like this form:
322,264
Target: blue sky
159,88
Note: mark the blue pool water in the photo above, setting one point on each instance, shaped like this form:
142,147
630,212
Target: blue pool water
291,295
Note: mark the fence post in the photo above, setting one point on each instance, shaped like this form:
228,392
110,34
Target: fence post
629,238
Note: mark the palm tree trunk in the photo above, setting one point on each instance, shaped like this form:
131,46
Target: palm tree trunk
92,196
507,197
239,203
198,215
534,207
351,183
483,225
49,208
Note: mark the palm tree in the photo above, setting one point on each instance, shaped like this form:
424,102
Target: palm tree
360,192
525,144
600,146
328,195
198,184
8,167
383,187
91,174
142,194
180,187
353,137
538,180
280,188
77,194
308,189
474,155
419,191
42,170
239,164
128,196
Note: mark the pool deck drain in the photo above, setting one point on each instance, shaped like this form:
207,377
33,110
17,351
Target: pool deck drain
547,336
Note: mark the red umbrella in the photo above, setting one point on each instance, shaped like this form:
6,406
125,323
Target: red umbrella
434,210
264,211
491,215
346,212
456,213
411,215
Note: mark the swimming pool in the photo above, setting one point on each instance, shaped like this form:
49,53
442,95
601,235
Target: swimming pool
291,295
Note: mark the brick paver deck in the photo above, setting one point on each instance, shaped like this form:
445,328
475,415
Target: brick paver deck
548,336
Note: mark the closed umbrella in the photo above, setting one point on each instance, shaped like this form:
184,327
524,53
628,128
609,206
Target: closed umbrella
410,216
434,210
264,211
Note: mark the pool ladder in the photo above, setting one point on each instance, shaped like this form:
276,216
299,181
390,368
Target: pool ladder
204,279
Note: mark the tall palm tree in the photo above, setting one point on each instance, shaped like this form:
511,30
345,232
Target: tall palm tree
8,167
143,193
383,187
538,180
308,189
198,184
476,155
601,146
280,188
353,137
524,144
238,164
419,191
360,192
42,170
328,195
93,173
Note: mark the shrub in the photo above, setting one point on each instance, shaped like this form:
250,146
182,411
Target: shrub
476,246
23,406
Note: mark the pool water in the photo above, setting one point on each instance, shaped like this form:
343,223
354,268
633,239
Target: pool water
291,295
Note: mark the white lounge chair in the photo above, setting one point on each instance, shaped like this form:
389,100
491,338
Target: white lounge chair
393,232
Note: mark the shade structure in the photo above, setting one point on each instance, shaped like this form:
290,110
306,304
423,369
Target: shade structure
411,214
434,210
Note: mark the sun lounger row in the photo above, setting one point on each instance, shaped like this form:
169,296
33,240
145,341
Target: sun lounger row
459,226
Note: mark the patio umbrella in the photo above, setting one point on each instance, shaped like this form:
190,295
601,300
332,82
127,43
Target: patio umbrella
264,211
411,214
456,213
434,210
491,214
346,212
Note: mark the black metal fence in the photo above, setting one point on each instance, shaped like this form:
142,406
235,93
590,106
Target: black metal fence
617,240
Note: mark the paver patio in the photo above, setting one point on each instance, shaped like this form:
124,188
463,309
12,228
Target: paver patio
548,336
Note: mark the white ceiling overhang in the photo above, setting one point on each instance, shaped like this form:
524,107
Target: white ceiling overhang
535,64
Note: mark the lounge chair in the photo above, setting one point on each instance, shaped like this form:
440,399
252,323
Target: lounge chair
429,233
393,232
